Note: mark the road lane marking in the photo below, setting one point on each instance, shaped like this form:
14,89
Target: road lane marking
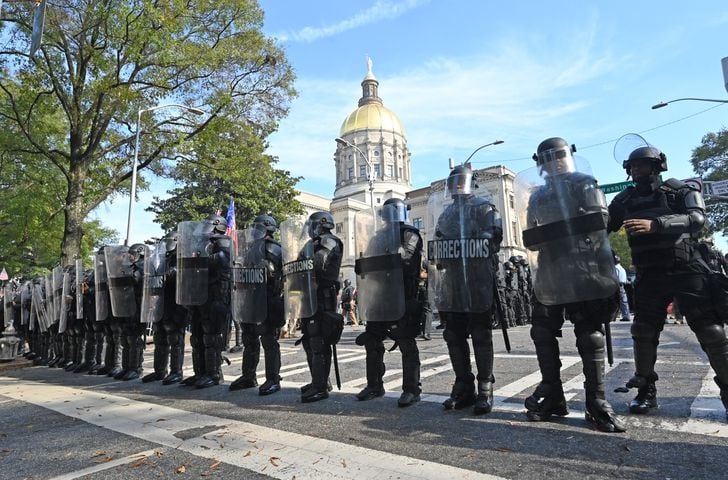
269,451
109,465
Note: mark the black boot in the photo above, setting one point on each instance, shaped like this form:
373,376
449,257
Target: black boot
463,390
374,369
410,372
646,398
89,354
598,411
74,350
213,361
98,355
136,357
126,350
483,350
176,362
251,358
198,362
484,400
319,371
161,360
272,359
116,357
723,394
547,400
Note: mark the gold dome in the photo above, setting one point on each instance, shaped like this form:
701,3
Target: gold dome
371,116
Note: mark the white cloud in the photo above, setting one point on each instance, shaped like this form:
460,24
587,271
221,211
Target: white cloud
381,10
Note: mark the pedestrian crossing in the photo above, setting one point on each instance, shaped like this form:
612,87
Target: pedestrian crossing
706,416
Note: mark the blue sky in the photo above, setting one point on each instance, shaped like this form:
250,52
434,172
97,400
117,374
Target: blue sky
462,73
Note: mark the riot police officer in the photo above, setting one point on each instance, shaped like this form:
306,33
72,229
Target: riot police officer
388,263
468,233
313,261
573,274
259,269
169,331
210,313
663,221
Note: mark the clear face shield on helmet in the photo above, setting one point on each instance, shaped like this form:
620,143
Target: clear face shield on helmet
460,183
394,212
556,161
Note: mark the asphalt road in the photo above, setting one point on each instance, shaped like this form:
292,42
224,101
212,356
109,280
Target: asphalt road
62,425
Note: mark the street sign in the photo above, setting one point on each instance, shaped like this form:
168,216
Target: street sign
615,187
719,187
4,275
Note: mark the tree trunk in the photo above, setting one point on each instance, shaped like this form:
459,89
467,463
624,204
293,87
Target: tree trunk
74,215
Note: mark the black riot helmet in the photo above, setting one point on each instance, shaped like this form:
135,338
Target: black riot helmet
394,210
508,265
647,152
555,148
170,240
267,223
320,223
137,251
216,224
459,182
347,283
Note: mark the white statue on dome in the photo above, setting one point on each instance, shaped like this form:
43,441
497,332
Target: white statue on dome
369,64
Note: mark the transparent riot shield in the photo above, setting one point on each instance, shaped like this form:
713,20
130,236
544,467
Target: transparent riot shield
378,265
101,288
57,292
564,219
461,249
155,268
121,281
299,293
25,303
39,306
66,301
249,289
193,263
80,278
48,299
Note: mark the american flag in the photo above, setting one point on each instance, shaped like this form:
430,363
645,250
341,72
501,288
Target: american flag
231,227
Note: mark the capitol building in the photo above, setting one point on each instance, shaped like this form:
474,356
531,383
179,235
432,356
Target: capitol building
375,131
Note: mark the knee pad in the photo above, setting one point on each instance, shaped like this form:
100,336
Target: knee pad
590,341
250,340
408,345
711,335
451,336
196,341
316,344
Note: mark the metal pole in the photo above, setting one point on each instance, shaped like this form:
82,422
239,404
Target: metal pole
132,197
133,178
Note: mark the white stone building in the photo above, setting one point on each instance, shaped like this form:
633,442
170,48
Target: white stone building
372,139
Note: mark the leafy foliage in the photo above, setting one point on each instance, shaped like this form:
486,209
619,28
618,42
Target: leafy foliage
73,109
710,161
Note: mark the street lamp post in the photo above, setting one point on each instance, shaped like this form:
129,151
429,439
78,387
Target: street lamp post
370,167
664,104
194,110
496,142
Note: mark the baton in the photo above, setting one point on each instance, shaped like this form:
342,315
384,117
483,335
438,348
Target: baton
336,366
503,319
608,340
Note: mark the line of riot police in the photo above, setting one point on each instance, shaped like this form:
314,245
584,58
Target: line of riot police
199,276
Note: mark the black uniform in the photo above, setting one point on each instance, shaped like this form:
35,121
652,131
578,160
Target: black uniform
169,331
474,218
668,266
403,331
209,321
575,195
268,331
324,328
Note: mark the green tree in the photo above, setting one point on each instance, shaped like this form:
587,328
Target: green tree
101,62
710,161
230,164
618,240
